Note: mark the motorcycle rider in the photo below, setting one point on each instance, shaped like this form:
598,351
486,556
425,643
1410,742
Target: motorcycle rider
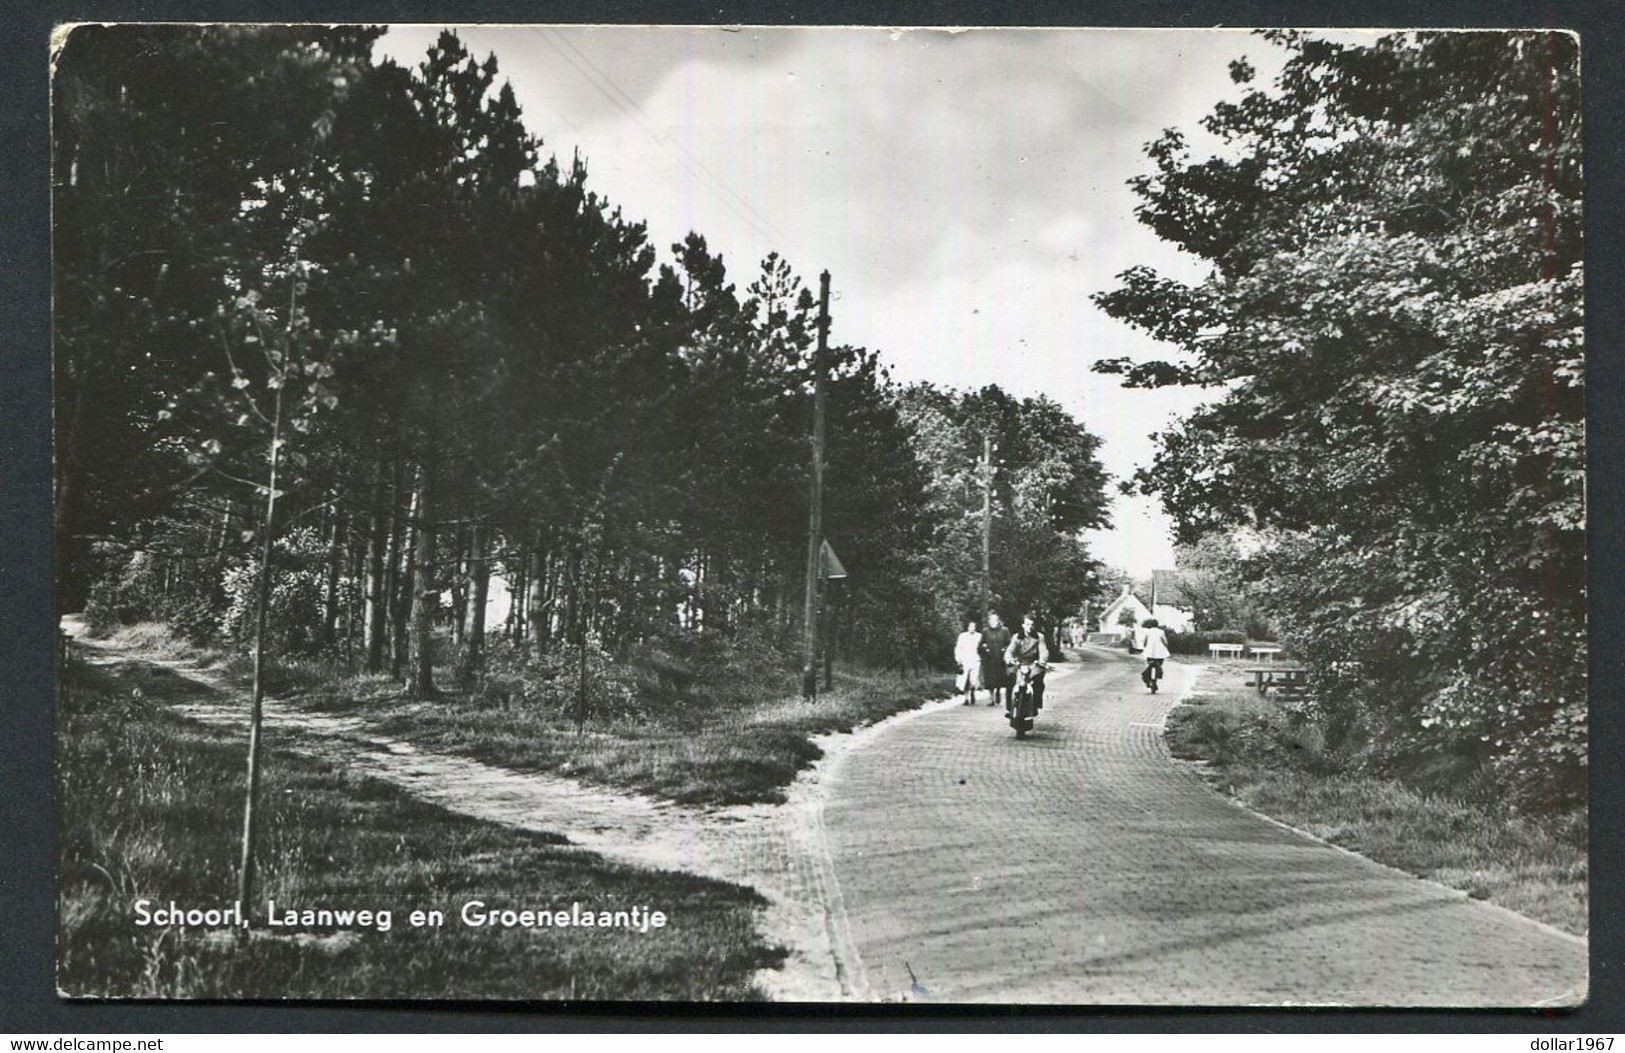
1028,648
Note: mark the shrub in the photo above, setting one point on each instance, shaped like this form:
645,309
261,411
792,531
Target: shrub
1476,681
124,595
294,611
144,587
552,680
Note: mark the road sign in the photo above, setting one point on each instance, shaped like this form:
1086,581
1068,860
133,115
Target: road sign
829,562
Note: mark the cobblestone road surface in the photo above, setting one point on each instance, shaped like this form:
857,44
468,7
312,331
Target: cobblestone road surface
1084,865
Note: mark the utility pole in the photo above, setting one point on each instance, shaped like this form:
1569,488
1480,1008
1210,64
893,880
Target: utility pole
987,527
829,634
815,515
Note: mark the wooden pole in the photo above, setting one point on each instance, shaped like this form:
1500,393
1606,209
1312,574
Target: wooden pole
815,515
829,638
987,528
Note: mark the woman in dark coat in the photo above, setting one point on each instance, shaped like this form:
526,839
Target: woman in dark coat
995,638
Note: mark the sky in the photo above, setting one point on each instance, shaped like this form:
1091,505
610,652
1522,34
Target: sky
967,191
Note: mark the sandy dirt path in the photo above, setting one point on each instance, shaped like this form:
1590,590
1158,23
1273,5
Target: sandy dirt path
777,849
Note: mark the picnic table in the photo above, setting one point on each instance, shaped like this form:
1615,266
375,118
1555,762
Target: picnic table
1225,650
1291,679
1265,652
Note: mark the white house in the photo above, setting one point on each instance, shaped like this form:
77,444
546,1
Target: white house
1168,606
1111,618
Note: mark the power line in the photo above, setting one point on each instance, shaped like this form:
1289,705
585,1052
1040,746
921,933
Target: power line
696,168
667,140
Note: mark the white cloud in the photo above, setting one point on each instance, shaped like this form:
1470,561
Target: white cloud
966,191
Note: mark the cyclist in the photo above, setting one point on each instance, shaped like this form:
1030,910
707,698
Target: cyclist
1150,640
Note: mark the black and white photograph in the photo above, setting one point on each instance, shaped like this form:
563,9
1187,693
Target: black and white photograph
993,516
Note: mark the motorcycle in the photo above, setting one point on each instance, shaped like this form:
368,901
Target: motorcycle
1024,702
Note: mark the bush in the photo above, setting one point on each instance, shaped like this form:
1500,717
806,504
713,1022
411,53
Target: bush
294,612
124,595
196,618
515,677
1478,681
144,587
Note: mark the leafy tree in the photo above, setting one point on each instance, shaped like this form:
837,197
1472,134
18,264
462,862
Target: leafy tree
1048,487
1393,313
1213,584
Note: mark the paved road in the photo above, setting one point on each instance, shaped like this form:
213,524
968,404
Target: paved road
1083,865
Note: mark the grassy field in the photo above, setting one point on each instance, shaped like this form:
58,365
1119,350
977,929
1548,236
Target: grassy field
1535,865
150,809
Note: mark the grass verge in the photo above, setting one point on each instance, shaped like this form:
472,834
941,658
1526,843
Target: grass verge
732,737
714,743
149,808
1275,764
743,752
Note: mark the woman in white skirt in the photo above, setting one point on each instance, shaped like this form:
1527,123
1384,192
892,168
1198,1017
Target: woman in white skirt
967,657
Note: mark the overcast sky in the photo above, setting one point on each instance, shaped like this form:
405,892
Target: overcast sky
966,191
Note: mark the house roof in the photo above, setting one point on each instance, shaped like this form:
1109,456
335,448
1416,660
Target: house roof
1124,599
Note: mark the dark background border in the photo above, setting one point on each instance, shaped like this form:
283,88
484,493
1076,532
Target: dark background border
28,1001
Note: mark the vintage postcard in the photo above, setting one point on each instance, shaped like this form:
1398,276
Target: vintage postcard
1003,516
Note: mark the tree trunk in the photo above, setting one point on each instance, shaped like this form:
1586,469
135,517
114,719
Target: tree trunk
478,590
516,604
256,706
380,556
73,579
459,592
330,588
401,598
829,638
571,575
355,553
425,597
536,595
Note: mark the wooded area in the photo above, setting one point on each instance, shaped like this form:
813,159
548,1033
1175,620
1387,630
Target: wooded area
285,270
1393,321
298,286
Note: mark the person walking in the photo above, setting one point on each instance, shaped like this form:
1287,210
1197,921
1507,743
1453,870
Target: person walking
968,656
995,677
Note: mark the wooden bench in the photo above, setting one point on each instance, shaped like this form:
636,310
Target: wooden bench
1225,650
1288,679
1265,652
